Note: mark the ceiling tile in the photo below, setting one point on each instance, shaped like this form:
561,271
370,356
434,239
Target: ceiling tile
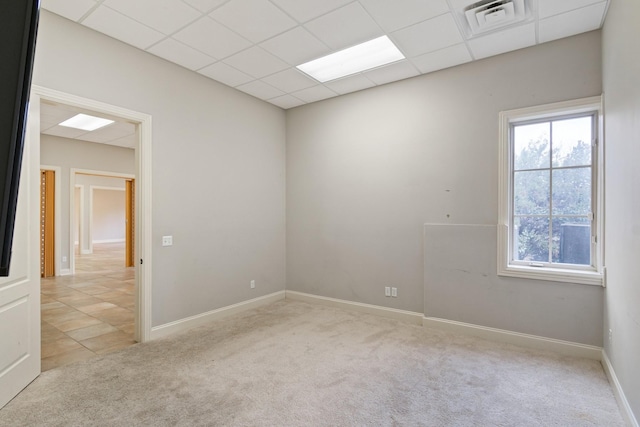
547,8
212,38
120,27
225,74
260,90
315,93
65,132
443,58
54,112
290,80
568,24
392,72
286,101
304,10
205,6
427,36
166,16
397,14
47,123
256,62
503,41
345,27
112,132
350,84
130,141
70,9
296,46
256,20
181,54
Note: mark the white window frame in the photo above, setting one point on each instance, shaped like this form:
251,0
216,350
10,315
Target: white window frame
594,275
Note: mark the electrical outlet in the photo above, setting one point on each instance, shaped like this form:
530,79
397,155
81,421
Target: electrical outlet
394,292
387,291
64,259
610,335
253,284
167,240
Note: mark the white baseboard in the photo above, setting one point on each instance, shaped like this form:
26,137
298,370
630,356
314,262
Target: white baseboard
86,252
406,316
566,348
623,403
108,241
204,318
65,272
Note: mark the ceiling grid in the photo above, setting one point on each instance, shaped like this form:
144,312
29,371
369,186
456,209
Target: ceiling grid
255,45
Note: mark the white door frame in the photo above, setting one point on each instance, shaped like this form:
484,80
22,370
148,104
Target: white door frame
78,225
143,195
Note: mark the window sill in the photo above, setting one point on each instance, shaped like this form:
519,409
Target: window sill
553,274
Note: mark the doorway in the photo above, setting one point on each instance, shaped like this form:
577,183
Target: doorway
21,343
89,311
128,281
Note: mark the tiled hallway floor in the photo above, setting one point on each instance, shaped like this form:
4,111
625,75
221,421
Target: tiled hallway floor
91,312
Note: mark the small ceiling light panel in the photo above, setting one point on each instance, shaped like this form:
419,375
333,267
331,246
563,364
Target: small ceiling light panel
362,57
86,122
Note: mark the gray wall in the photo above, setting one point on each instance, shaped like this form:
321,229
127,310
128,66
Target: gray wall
68,153
461,283
101,181
366,171
218,162
621,70
108,216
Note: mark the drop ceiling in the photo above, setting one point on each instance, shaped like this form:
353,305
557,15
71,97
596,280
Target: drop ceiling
255,45
120,133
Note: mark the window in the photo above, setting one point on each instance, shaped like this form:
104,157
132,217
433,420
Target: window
550,192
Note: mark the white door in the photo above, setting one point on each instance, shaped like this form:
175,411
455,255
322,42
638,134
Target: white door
20,292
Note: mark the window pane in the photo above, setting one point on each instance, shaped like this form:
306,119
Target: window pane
571,191
571,241
572,142
531,146
531,193
531,239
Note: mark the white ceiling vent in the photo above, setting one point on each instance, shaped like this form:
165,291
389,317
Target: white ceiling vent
492,14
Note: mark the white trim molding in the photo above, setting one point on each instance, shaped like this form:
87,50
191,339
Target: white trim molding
594,274
73,225
566,348
621,398
392,313
143,178
204,318
109,241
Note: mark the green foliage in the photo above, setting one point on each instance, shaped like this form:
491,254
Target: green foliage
571,195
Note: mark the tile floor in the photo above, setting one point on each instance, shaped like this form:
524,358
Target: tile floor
91,312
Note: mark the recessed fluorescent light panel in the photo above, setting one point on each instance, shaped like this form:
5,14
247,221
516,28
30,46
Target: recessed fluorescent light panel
86,122
365,56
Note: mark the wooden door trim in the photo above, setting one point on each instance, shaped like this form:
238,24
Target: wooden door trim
47,223
59,271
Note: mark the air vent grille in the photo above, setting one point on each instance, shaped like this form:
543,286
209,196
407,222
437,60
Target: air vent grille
491,14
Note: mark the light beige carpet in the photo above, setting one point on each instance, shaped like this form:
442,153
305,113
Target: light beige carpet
295,364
